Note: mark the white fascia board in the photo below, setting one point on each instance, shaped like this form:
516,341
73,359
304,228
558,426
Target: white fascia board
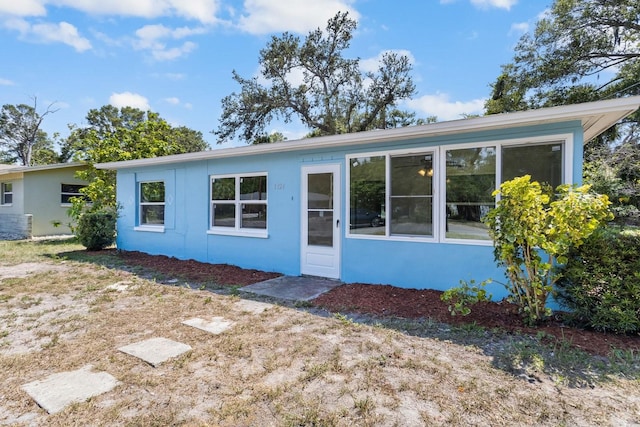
595,117
27,169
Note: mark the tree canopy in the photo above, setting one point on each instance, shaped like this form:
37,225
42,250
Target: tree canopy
127,133
21,139
580,51
310,79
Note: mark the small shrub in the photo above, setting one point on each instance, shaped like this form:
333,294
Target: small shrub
97,230
600,283
468,293
533,231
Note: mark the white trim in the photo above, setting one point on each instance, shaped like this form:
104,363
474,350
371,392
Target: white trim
150,228
228,231
595,118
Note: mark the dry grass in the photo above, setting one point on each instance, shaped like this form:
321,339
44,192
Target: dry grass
281,366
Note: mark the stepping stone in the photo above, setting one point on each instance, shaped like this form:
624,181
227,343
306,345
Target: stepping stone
216,326
119,286
254,307
154,351
57,391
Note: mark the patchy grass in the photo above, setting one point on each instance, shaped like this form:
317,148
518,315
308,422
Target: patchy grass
283,366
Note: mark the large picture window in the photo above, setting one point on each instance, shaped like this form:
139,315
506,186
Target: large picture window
542,161
6,193
470,182
152,200
412,195
397,189
367,194
444,192
239,203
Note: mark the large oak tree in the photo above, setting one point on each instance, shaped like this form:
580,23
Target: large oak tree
310,79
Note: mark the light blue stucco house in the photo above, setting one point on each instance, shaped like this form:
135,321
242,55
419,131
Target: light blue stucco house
398,206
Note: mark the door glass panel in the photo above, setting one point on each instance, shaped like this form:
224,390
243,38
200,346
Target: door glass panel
320,191
320,228
320,209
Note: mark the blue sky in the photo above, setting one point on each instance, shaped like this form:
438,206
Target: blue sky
175,57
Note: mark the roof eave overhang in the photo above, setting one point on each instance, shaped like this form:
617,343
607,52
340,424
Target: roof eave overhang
27,169
595,118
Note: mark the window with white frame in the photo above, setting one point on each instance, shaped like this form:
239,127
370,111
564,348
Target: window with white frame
469,184
67,191
152,202
443,193
239,203
6,193
392,194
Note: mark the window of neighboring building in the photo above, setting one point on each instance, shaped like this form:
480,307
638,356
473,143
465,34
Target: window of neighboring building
6,193
470,182
152,200
67,191
239,203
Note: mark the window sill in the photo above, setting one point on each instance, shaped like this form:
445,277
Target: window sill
260,234
150,228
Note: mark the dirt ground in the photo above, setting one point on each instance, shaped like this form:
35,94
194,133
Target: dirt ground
385,300
282,364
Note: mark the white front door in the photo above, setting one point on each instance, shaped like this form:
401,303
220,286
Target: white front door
321,222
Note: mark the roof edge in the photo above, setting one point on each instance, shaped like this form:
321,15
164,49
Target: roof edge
597,115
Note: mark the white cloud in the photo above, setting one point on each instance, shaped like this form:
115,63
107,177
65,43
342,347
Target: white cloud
300,16
199,10
500,4
443,108
175,76
128,99
6,82
62,32
22,7
486,4
152,38
519,28
173,100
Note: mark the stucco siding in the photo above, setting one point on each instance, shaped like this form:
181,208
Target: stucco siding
404,263
42,192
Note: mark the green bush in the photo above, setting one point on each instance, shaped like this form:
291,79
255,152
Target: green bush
97,230
533,231
600,283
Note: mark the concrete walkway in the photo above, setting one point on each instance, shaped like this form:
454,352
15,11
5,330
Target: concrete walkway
295,288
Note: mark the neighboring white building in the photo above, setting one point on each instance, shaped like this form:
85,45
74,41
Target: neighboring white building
34,200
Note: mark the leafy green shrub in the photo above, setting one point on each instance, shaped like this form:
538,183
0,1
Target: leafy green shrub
600,283
533,231
468,293
97,230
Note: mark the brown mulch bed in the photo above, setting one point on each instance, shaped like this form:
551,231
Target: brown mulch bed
385,300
